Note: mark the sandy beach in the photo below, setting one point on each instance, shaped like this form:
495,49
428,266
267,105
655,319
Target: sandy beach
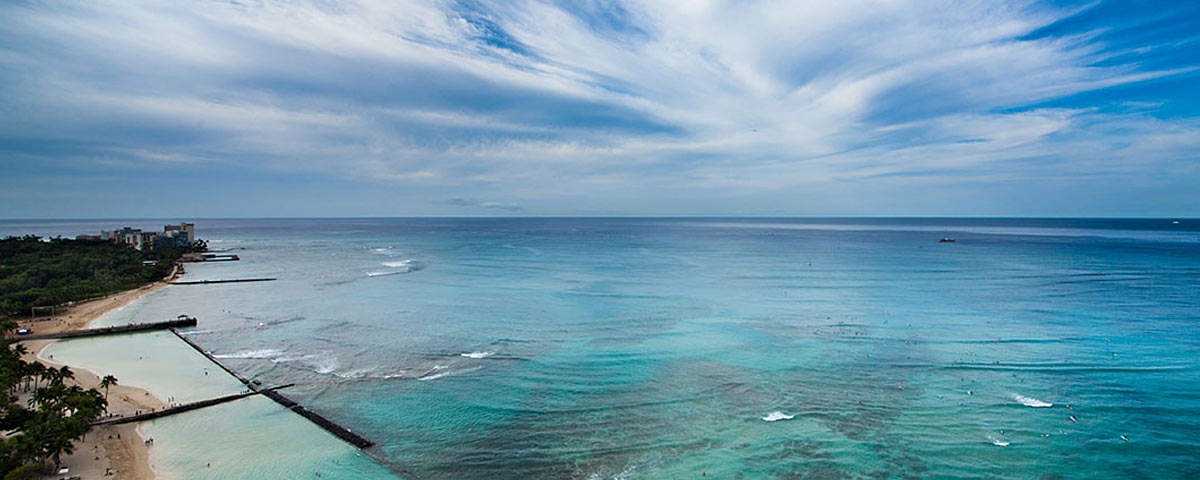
119,450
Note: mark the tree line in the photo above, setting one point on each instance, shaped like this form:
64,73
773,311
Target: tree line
37,272
41,413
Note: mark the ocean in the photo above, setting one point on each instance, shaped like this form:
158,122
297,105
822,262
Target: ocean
687,347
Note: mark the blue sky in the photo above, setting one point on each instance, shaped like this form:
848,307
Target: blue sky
132,108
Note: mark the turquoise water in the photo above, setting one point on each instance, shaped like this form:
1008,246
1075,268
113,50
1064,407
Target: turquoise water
248,438
655,348
252,438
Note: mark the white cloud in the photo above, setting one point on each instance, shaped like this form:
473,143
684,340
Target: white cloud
689,96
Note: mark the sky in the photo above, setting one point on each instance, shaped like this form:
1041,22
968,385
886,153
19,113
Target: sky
314,108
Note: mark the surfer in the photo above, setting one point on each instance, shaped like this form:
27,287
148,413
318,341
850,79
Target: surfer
1124,438
1074,420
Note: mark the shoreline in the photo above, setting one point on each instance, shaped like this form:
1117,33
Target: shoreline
120,449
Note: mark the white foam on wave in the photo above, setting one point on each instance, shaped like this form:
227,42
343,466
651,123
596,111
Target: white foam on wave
325,365
477,354
1031,402
997,441
777,416
435,376
604,474
257,354
322,363
402,266
359,373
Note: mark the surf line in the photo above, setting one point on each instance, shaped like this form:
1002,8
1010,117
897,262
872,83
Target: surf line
345,434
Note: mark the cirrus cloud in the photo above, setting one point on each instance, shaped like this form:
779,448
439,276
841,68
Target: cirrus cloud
638,107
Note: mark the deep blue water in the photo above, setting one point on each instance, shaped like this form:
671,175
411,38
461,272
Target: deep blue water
654,348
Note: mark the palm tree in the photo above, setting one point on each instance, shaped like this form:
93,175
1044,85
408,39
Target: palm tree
107,381
56,444
39,371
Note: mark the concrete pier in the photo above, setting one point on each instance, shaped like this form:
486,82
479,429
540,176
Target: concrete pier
211,358
92,332
328,425
337,430
208,282
187,407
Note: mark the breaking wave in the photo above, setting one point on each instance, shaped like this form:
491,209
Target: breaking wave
404,266
322,363
1031,402
434,376
997,441
256,354
776,416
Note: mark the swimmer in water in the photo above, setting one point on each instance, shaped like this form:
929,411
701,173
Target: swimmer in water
970,392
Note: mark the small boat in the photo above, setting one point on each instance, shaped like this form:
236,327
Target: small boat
946,240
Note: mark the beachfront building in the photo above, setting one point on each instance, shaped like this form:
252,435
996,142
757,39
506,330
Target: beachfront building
124,236
187,229
173,239
173,236
145,240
